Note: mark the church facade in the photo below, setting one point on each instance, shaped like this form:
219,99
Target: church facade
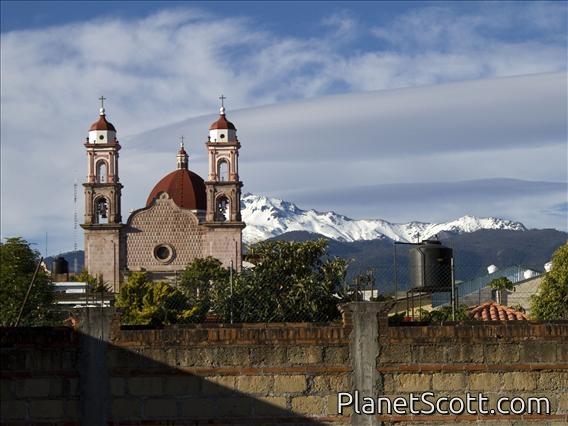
185,216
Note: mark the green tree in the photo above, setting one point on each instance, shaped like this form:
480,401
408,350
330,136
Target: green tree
291,281
444,313
200,279
551,302
146,302
18,263
96,289
500,285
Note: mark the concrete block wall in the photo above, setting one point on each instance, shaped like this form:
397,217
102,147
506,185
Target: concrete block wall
275,373
39,376
240,374
513,360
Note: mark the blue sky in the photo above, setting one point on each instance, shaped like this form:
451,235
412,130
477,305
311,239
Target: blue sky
397,110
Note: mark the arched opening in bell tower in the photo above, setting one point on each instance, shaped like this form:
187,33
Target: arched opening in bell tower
101,210
223,170
102,172
222,209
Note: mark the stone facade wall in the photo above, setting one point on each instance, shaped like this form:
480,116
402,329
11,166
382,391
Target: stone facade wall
102,254
164,223
167,224
225,244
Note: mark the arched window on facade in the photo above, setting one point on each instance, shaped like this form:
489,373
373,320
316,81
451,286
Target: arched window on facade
102,212
222,209
102,172
223,170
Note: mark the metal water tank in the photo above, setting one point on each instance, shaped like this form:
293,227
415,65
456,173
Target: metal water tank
431,266
60,265
491,269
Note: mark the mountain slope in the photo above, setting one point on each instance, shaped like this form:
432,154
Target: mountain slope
269,217
473,253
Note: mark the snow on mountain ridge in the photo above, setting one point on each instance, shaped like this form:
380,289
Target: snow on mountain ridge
269,217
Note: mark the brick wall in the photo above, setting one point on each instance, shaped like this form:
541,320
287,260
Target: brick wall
241,374
39,376
514,359
275,373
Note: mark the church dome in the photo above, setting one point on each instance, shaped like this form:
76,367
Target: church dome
185,188
102,123
222,122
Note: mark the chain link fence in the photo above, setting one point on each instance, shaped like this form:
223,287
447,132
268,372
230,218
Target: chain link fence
417,285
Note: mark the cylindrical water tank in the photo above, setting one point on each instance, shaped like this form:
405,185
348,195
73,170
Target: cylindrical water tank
60,265
491,269
431,266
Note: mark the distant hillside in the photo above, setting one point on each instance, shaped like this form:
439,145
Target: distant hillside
473,253
70,256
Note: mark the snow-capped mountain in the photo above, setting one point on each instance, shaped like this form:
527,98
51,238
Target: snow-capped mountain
269,217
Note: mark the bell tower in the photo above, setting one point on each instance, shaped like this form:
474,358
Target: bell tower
223,187
102,221
223,184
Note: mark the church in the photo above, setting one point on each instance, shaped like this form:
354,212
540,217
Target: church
185,216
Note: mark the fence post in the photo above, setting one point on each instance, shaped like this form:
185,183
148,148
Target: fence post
94,326
367,320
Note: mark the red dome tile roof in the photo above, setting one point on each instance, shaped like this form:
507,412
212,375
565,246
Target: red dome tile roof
186,188
102,124
493,311
222,123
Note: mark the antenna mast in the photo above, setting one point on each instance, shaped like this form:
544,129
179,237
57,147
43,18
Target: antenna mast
75,227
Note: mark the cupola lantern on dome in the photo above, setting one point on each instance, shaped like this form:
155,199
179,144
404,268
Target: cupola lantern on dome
102,131
182,157
222,130
184,187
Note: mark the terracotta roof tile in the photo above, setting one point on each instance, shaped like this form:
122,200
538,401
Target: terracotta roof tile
493,311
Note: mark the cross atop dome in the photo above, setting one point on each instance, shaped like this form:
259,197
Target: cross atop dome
222,109
102,110
102,125
222,130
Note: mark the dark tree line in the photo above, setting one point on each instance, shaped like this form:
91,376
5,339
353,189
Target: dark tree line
290,281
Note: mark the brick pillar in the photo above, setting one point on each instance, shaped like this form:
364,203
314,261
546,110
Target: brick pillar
367,318
95,327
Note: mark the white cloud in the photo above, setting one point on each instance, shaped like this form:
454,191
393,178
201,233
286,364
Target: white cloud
343,24
443,44
500,128
172,65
